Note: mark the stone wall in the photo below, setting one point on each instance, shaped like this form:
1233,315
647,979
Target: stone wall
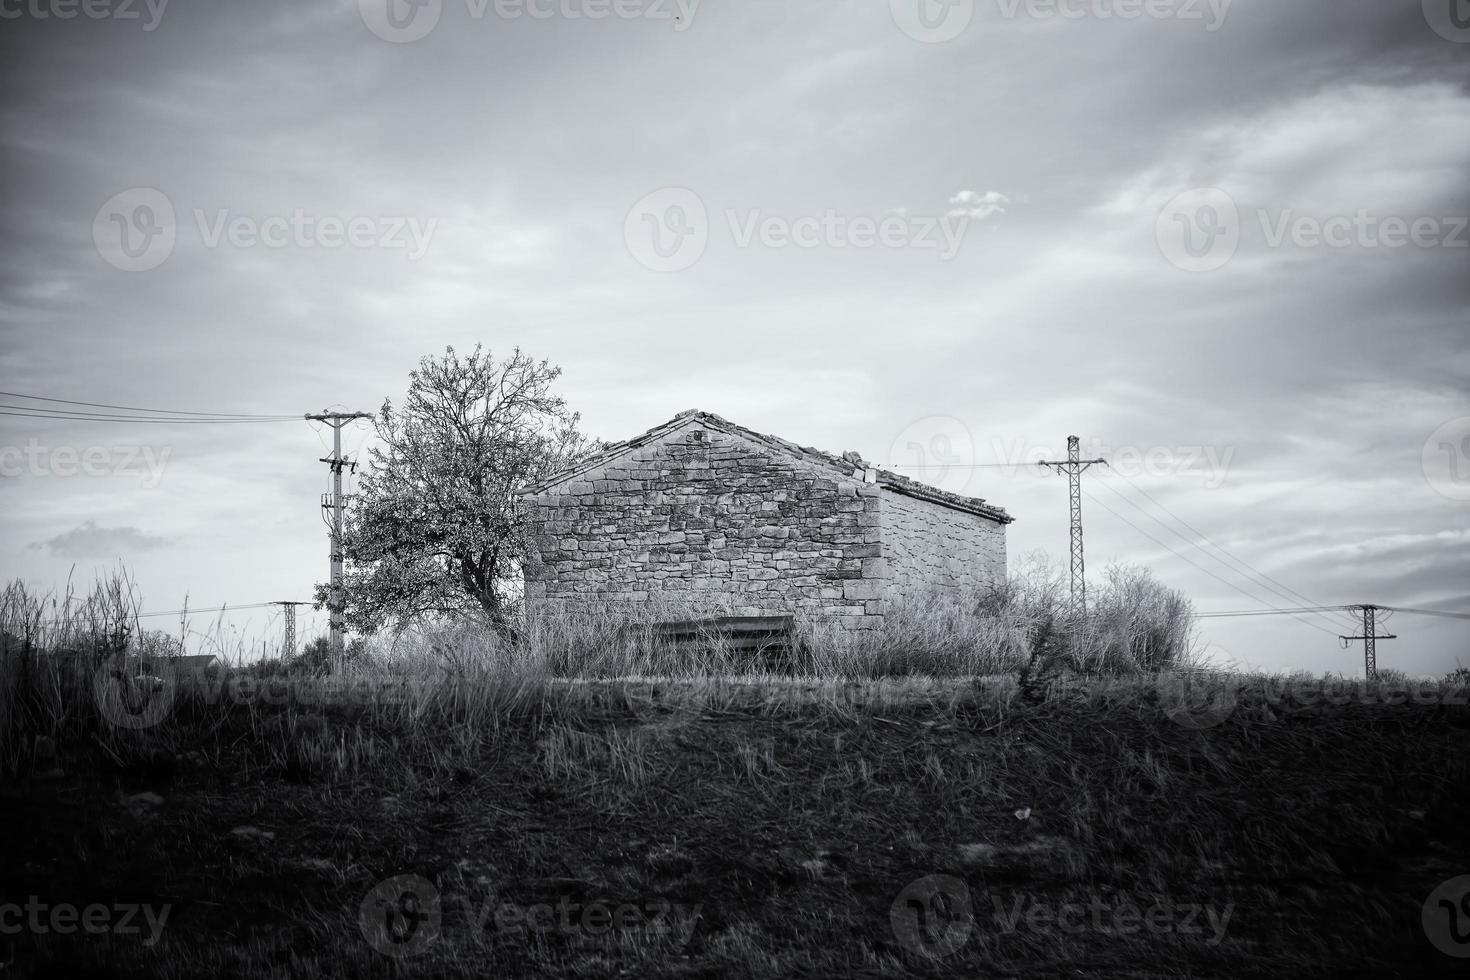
706,517
932,547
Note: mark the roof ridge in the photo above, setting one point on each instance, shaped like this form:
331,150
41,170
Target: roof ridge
893,481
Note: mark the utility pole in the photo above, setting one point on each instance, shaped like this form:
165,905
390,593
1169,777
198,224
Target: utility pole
288,646
1072,468
1370,637
333,503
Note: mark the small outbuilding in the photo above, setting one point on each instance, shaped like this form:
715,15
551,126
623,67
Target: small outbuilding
704,510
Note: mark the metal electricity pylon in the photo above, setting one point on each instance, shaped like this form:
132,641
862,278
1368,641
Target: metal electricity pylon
1073,467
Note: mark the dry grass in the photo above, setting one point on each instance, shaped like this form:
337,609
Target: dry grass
786,815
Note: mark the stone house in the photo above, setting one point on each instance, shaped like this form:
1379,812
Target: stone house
703,510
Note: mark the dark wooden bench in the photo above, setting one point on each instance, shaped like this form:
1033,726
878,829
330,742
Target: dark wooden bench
765,639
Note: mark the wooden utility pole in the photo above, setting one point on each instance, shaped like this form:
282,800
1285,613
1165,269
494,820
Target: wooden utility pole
1370,637
333,503
1073,467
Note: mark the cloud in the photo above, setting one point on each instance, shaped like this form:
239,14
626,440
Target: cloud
968,204
1386,148
90,541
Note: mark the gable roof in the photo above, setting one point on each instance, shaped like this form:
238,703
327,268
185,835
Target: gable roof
851,467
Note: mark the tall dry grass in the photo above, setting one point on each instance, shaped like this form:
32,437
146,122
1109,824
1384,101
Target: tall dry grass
70,663
1134,624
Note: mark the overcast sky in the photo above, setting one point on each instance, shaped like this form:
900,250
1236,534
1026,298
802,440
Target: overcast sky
1224,243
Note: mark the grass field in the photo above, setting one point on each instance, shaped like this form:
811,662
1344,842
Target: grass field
494,824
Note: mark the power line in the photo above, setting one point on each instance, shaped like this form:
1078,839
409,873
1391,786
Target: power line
139,419
1234,613
1183,558
1027,467
1428,612
184,612
1257,577
130,408
181,612
1349,608
1286,589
